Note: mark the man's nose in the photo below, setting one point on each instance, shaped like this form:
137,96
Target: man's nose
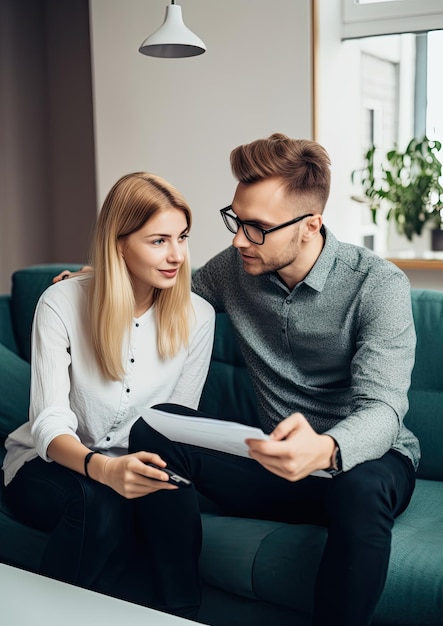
240,240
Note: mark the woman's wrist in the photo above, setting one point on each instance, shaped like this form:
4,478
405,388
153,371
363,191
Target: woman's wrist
88,458
95,467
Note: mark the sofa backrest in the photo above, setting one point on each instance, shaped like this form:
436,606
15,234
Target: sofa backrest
16,314
27,286
425,415
7,337
228,391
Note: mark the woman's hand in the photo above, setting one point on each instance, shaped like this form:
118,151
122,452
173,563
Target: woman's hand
129,475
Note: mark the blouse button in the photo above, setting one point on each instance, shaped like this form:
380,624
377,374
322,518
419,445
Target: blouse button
108,438
137,325
128,390
132,360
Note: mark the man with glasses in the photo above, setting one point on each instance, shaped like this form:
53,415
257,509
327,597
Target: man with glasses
326,330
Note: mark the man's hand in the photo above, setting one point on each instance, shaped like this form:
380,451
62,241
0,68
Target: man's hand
68,274
294,449
129,475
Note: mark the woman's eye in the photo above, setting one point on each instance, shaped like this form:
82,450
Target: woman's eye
158,242
184,237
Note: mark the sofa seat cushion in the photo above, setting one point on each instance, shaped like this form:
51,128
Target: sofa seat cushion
21,545
414,588
262,560
277,563
24,546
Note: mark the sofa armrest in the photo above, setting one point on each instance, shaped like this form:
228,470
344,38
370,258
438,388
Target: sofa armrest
15,376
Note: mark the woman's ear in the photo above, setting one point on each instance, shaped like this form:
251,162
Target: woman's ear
120,248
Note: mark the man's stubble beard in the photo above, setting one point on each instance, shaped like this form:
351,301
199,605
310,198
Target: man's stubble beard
276,264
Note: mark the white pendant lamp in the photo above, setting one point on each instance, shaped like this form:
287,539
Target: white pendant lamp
173,39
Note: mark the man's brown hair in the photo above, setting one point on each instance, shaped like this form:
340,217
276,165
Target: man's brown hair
304,166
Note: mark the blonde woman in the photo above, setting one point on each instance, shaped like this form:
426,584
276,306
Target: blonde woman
126,335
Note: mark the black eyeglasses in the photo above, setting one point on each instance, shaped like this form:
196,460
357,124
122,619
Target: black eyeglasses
252,231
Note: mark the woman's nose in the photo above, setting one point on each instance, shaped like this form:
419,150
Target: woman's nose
177,253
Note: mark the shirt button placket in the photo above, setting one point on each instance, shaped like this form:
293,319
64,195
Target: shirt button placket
284,330
132,360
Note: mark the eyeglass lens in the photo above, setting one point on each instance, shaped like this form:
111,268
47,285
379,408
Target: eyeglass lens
253,234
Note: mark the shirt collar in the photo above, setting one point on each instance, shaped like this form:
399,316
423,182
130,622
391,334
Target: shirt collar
316,278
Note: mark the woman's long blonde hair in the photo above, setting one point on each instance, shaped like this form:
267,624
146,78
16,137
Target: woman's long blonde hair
132,201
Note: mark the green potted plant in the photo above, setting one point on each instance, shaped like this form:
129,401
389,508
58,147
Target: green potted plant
406,186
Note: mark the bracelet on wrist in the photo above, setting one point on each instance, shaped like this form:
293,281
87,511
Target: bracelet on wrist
88,457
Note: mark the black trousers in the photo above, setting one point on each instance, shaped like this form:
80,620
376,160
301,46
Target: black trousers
146,550
102,541
357,507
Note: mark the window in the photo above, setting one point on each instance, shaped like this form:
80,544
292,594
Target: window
400,97
365,18
434,113
353,111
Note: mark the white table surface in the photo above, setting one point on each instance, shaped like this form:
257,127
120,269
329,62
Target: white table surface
31,600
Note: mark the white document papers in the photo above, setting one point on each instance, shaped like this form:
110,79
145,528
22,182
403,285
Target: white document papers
207,433
201,431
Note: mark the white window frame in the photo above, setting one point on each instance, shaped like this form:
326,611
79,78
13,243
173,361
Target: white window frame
387,18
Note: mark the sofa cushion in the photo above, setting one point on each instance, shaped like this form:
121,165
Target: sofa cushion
27,286
14,391
6,332
24,546
262,559
425,419
228,392
427,308
414,588
277,563
425,415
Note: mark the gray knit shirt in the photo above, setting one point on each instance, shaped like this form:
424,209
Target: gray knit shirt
339,347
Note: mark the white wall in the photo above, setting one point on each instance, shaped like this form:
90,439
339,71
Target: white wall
338,118
180,118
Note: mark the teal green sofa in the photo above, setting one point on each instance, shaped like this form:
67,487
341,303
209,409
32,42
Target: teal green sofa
258,572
